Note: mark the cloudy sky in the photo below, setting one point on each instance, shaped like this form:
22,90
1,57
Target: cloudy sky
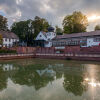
53,10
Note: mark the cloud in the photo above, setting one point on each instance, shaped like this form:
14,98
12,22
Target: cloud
18,2
53,10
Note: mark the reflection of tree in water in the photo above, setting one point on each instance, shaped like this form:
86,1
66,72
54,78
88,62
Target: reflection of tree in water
58,75
3,79
28,76
41,81
74,84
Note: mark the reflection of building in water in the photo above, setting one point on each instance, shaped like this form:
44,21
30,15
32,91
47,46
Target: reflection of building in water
47,72
55,65
9,67
59,65
70,68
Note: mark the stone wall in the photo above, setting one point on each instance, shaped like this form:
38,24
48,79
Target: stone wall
69,49
24,50
52,50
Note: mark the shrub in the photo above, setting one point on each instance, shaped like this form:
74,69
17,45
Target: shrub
6,51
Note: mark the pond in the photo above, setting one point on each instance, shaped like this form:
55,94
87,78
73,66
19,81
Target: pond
41,79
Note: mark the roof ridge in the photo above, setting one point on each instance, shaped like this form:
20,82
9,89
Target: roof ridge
82,34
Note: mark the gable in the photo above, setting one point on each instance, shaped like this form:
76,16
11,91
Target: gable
41,36
50,35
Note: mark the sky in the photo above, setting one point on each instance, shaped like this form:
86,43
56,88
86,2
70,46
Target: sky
52,10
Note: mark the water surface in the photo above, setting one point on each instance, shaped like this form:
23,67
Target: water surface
37,79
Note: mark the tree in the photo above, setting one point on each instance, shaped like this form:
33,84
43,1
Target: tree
3,23
3,79
58,31
28,30
20,28
1,39
75,23
97,27
73,84
40,24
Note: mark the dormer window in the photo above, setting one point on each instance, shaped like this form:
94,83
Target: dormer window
40,35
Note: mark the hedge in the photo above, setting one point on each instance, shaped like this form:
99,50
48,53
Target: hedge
4,51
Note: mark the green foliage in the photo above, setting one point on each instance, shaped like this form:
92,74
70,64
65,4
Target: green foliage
1,39
40,24
75,23
6,51
73,83
3,79
3,23
97,27
20,28
25,32
59,31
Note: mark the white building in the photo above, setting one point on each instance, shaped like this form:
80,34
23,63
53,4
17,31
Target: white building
9,38
84,39
47,37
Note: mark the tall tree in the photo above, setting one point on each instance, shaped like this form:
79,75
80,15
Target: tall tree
3,23
20,28
39,24
59,31
75,23
28,30
97,27
1,40
24,30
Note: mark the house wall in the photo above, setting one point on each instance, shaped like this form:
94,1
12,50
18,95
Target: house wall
50,35
24,50
49,44
66,42
47,37
41,37
80,41
92,42
9,42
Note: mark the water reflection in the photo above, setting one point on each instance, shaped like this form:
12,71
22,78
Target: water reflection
74,84
64,78
3,79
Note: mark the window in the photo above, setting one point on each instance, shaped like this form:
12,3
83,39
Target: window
48,39
5,39
83,42
96,39
9,40
5,45
40,35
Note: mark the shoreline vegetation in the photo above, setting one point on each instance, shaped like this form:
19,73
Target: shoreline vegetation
7,51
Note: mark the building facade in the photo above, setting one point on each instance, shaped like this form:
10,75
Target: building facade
85,39
46,37
9,38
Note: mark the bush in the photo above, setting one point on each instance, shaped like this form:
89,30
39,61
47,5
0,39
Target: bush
6,51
